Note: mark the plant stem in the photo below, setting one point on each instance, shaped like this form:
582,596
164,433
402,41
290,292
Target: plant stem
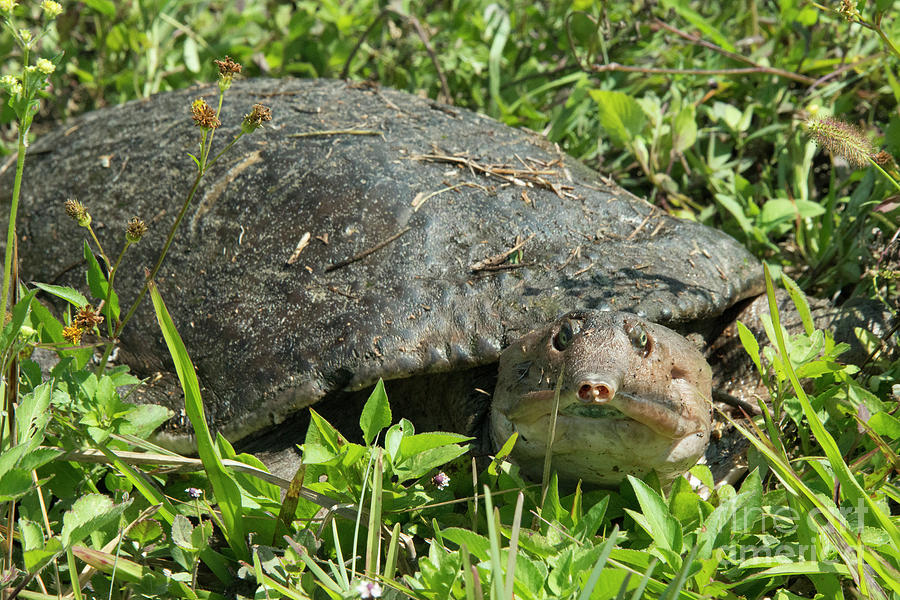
885,173
162,255
11,229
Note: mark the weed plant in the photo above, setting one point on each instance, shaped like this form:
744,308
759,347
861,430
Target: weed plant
711,125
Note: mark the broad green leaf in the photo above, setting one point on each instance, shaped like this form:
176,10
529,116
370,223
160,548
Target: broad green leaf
376,414
587,526
685,129
182,531
88,514
37,552
32,415
654,517
779,210
70,295
12,328
620,115
735,210
105,7
422,442
885,425
422,462
751,346
15,483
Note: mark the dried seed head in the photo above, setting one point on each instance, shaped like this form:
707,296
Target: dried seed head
78,212
849,11
258,115
87,318
227,70
72,334
842,139
883,158
135,230
203,114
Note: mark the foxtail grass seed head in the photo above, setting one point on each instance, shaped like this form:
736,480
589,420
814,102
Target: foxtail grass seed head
72,334
203,114
135,230
6,6
78,212
51,9
258,115
87,317
842,139
227,70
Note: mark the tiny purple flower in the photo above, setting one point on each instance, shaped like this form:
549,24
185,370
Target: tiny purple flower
369,589
194,493
441,480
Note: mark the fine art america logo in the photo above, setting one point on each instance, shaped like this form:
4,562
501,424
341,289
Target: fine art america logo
767,528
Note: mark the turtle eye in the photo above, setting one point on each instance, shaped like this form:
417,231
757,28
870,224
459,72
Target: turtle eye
565,335
639,339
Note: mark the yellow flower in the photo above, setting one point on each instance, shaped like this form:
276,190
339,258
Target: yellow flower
45,66
72,334
6,6
51,9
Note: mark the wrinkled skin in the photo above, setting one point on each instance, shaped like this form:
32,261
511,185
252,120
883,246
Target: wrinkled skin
634,397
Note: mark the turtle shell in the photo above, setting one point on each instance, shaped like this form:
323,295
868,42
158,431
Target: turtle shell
363,233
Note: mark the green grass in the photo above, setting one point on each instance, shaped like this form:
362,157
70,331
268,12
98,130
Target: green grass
699,107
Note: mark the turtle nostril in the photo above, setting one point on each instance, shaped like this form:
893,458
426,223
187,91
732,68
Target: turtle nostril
595,392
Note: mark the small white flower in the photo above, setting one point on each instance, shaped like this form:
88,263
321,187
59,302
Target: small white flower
441,480
194,492
369,589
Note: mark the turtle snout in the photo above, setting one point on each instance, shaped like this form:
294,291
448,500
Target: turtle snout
596,391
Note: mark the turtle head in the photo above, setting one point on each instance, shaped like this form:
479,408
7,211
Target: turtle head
634,397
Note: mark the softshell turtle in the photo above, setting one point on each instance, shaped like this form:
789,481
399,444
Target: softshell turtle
367,233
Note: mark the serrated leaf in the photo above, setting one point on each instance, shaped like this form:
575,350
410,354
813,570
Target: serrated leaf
70,295
38,558
182,532
620,115
145,531
376,414
88,514
32,415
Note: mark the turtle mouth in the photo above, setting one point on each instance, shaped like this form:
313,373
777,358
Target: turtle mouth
538,404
